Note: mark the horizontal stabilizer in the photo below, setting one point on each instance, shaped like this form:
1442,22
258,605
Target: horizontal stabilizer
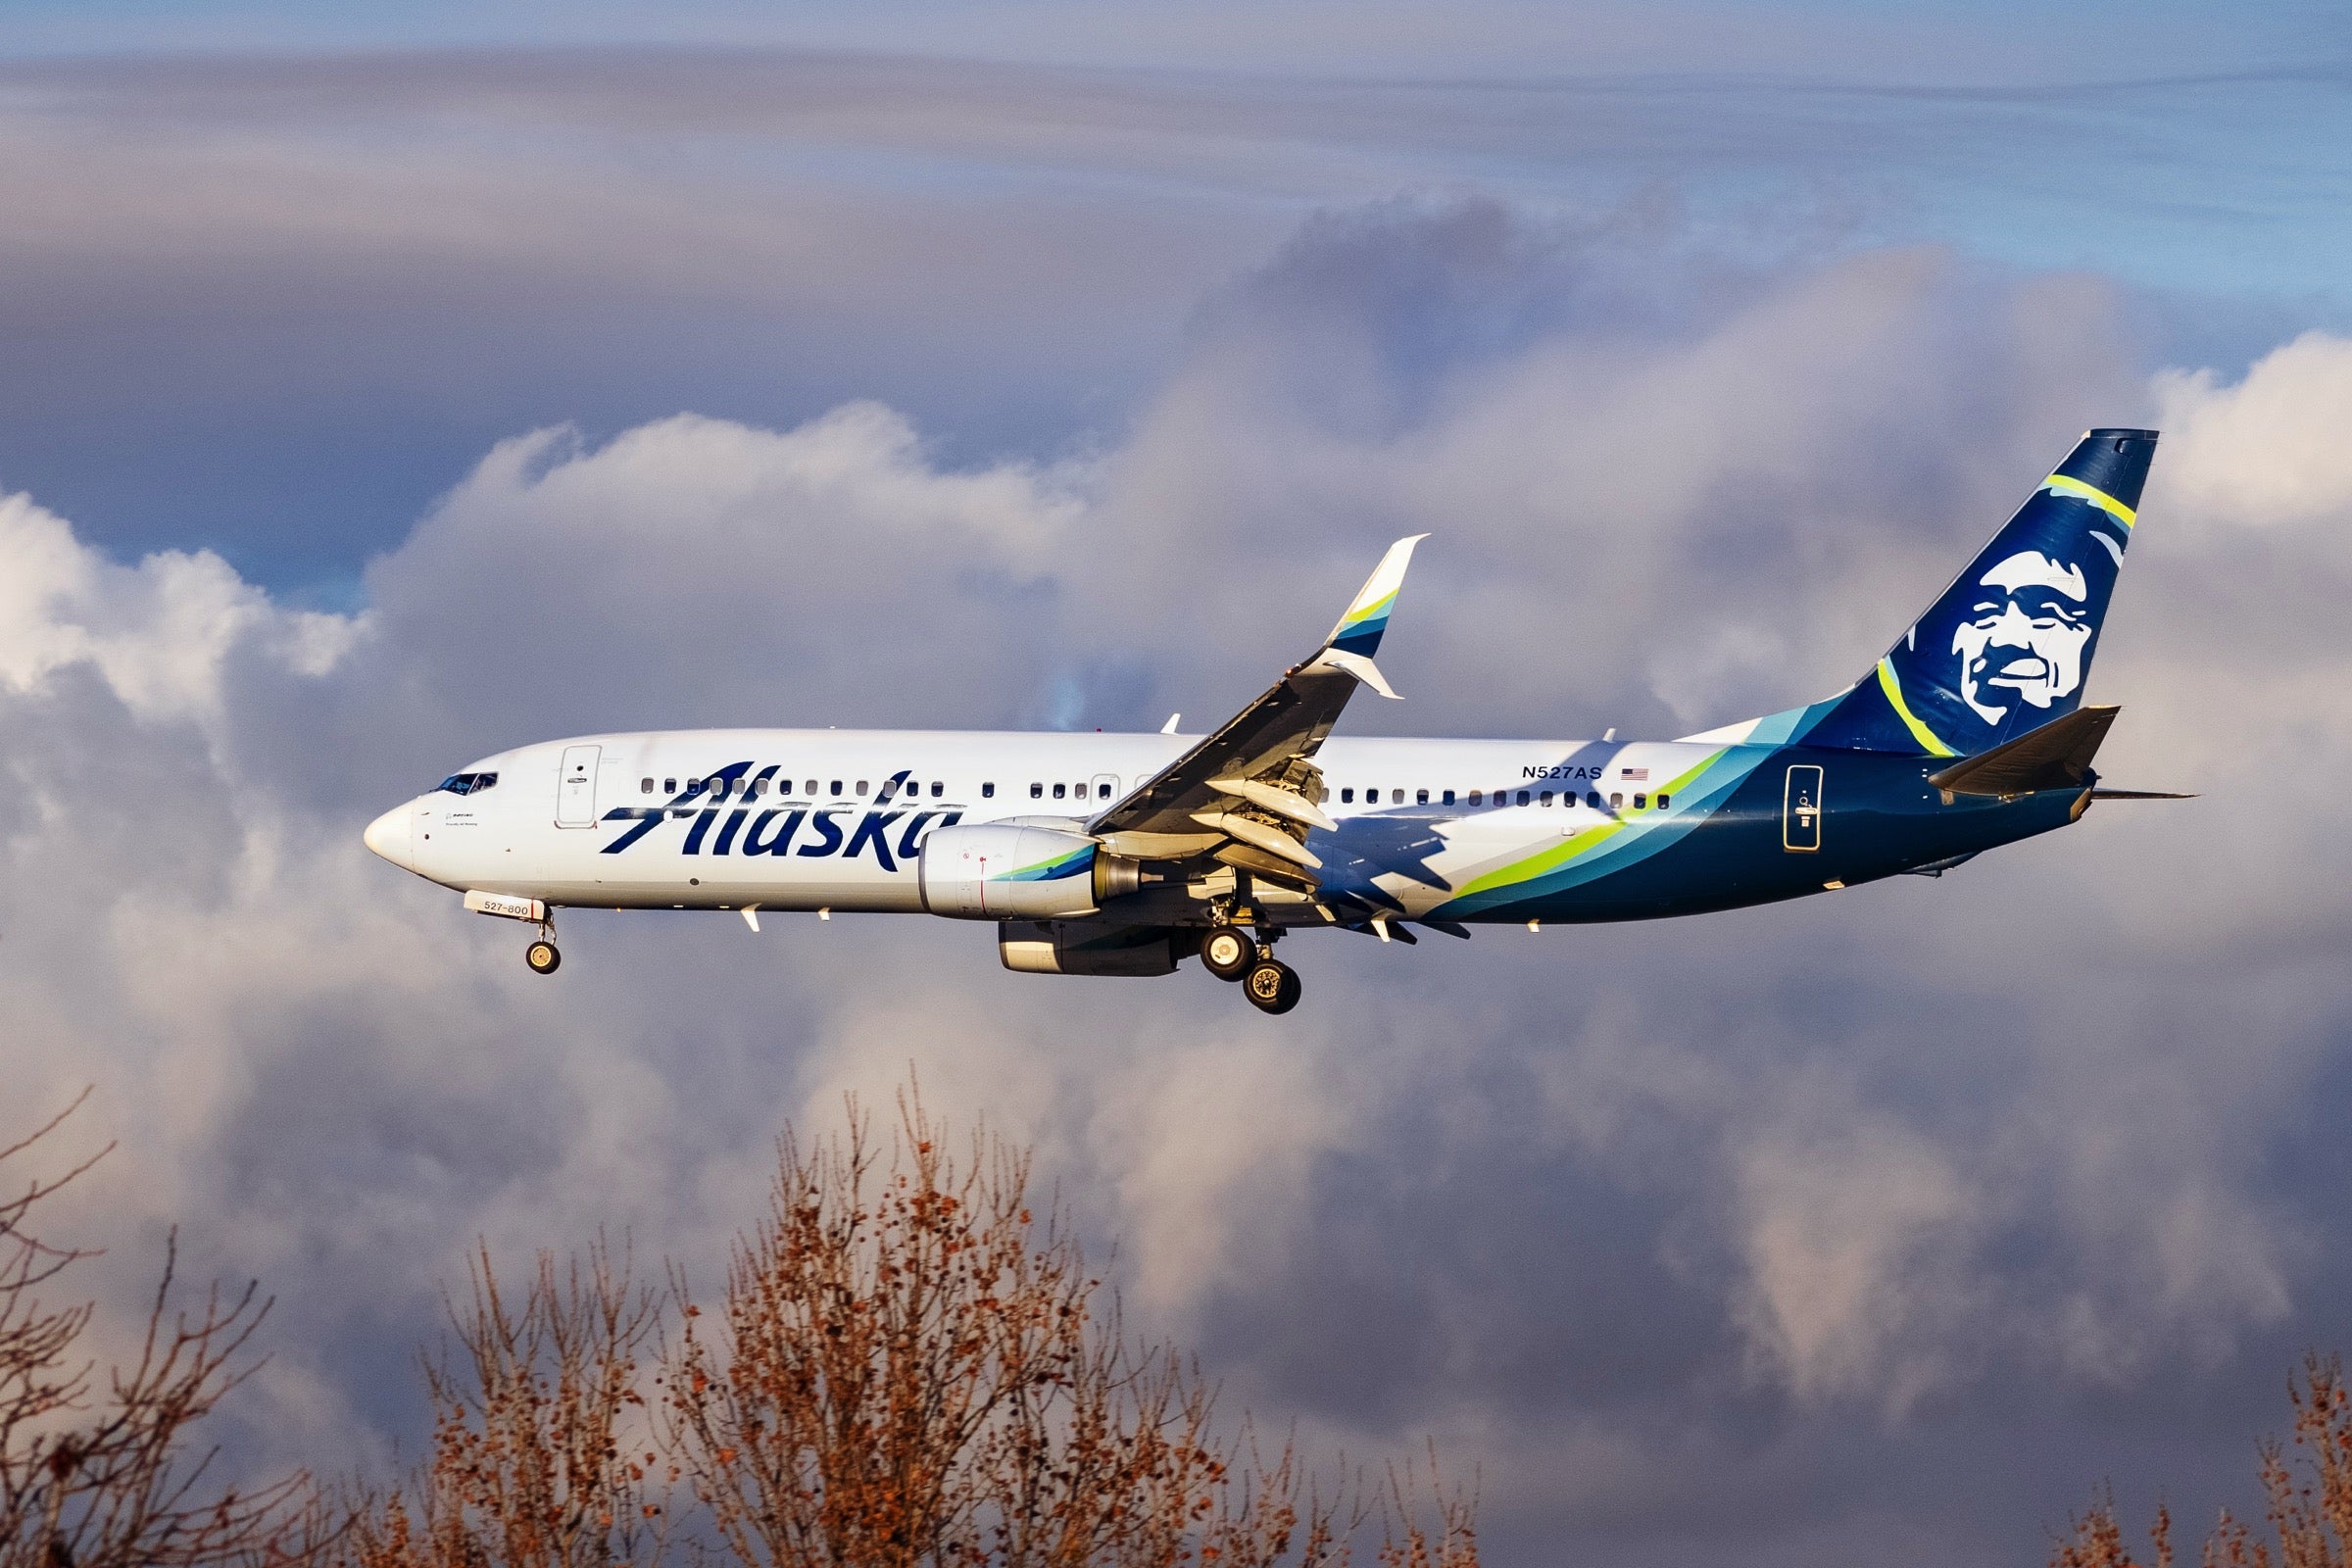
2055,756
2141,795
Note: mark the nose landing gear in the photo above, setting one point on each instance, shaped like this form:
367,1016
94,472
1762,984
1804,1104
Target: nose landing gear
543,956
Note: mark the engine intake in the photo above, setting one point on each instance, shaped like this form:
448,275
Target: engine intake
996,872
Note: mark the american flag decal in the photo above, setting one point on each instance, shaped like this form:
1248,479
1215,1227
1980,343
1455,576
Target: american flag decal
1640,775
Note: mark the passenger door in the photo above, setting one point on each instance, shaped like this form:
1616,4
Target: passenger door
1802,810
575,787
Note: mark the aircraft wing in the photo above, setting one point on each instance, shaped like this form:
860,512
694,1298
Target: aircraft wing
1249,790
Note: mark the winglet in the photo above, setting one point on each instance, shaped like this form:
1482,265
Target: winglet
1358,631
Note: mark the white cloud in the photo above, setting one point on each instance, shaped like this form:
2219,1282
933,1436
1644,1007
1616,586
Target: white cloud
158,632
2270,450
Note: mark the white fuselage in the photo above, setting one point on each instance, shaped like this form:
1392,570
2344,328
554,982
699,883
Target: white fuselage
834,819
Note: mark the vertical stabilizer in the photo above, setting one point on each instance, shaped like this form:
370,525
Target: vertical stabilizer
2008,646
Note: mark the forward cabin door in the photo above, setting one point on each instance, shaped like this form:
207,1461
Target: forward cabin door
575,787
1801,811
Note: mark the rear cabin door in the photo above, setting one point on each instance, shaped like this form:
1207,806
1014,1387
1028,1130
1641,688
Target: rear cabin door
1800,810
575,787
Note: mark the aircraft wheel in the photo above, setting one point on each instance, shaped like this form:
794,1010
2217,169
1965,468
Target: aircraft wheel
1273,986
1227,953
542,956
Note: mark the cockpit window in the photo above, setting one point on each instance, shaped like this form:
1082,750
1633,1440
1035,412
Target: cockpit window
467,783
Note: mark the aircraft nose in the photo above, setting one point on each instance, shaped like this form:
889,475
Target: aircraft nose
389,836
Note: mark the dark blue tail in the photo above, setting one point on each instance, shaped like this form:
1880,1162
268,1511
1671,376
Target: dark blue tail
2008,646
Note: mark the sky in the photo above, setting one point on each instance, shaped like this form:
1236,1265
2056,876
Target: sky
382,387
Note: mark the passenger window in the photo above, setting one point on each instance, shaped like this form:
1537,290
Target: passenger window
1640,800
1478,796
938,788
861,786
988,791
810,791
1523,797
837,786
1102,791
1616,800
1346,797
670,786
1593,800
1037,791
1449,797
1664,799
1395,797
1544,798
759,788
694,786
720,788
1058,791
647,788
1420,797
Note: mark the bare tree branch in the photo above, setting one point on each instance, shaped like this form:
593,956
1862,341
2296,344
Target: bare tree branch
96,1480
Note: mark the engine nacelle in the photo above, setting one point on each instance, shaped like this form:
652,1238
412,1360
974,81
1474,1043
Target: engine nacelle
998,870
1087,946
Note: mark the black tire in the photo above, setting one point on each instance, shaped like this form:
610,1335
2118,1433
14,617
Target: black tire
1237,952
543,958
1272,986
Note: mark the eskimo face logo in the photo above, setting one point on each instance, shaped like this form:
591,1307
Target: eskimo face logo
2024,636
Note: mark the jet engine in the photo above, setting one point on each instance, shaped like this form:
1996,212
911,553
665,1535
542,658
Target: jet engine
998,870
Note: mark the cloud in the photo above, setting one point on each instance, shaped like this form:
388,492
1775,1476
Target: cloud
314,287
2263,452
1783,1207
156,633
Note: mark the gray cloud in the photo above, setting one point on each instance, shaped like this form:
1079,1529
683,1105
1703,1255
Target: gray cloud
1896,1216
312,289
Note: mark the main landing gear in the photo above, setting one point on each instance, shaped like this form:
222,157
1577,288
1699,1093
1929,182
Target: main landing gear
1229,953
1271,985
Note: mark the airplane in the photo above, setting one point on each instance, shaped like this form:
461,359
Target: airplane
1125,854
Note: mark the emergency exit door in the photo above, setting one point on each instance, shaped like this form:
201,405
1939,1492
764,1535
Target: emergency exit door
575,787
1801,811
